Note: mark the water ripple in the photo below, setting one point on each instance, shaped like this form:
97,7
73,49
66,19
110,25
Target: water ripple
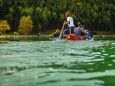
54,63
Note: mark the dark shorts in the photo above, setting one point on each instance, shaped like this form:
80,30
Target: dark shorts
69,31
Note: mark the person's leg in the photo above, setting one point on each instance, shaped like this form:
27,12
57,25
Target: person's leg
66,31
72,30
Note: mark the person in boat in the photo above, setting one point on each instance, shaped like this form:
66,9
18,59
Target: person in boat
69,23
80,31
88,35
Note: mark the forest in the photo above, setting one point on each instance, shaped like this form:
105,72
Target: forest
48,15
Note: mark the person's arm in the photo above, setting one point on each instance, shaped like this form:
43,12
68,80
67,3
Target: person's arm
83,30
67,22
75,29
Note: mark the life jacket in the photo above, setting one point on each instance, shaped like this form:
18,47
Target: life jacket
88,36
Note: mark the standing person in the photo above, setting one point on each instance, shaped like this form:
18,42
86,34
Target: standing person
70,24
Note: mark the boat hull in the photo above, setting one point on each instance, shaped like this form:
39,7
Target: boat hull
75,38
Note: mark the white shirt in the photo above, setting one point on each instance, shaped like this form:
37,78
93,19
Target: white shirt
70,20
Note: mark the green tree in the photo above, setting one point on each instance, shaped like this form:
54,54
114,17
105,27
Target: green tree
50,14
27,11
0,2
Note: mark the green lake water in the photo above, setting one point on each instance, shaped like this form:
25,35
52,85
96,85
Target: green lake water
57,63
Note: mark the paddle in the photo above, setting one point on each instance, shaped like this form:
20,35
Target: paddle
61,31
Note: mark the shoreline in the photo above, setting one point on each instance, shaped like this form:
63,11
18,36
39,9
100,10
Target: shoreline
104,37
23,37
46,37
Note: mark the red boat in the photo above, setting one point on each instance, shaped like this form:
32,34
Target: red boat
75,38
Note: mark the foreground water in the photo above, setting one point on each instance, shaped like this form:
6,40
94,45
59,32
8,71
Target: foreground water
57,63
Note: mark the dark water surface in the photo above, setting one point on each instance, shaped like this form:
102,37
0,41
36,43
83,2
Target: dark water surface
57,63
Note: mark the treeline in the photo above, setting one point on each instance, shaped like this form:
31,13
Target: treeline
47,15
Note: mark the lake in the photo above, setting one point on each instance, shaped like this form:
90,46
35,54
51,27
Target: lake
57,63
